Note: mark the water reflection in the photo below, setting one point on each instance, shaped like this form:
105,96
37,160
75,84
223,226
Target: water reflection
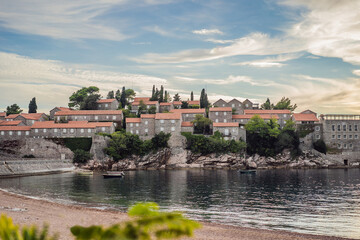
311,201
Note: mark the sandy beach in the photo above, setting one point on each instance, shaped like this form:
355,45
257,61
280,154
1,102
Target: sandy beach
27,211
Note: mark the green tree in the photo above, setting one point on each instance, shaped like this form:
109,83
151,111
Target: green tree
166,96
267,105
201,124
204,102
123,98
177,97
118,95
153,94
142,107
161,94
78,98
13,109
184,105
110,95
81,156
192,96
33,106
152,110
320,146
130,95
90,102
285,103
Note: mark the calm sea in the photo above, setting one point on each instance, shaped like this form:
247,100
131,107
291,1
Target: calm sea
325,202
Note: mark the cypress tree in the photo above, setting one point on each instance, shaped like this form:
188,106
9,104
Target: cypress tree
153,94
192,96
32,106
118,95
202,98
161,94
166,96
156,95
123,98
110,95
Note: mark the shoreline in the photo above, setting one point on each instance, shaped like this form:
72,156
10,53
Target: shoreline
60,217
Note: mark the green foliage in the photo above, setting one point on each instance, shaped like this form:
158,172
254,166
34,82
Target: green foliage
152,110
194,106
184,105
123,98
213,144
13,109
28,156
110,95
124,144
33,106
118,96
148,222
202,124
80,99
177,97
285,103
78,143
9,231
267,105
204,102
320,146
161,94
192,96
142,107
289,125
81,156
305,129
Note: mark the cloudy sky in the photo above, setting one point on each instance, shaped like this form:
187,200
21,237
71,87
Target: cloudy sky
307,50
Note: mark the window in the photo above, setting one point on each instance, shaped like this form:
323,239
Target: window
147,107
285,115
339,145
136,124
333,127
172,121
317,136
339,136
146,130
10,133
106,105
72,130
131,131
233,105
187,115
161,129
332,136
82,130
247,105
55,130
107,117
131,124
355,128
350,128
344,136
234,130
350,136
173,129
19,133
146,122
103,129
223,105
58,118
44,130
317,128
345,146
216,120
216,113
224,113
27,133
114,117
36,130
64,130
350,145
32,121
344,127
162,121
137,131
242,120
89,130
75,117
96,117
2,133
356,136
84,117
225,121
339,127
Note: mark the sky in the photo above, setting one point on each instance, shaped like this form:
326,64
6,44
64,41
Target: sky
307,50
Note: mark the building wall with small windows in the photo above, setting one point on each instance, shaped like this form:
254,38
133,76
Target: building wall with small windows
172,126
113,105
230,133
237,105
144,127
341,132
14,134
218,115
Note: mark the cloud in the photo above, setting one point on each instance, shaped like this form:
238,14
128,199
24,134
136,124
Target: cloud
52,82
270,62
219,41
356,72
158,30
208,32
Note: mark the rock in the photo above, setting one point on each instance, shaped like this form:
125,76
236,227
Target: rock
178,156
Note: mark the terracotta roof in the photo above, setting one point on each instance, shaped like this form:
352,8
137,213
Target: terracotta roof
106,100
305,117
189,110
221,109
187,124
101,124
2,114
138,99
165,104
15,128
10,123
63,108
72,124
88,112
248,116
229,124
29,116
177,102
147,115
167,116
193,102
133,120
255,111
145,102
308,111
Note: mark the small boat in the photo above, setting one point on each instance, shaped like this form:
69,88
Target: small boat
248,171
113,174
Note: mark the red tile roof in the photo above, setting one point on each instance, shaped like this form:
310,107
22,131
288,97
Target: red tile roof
138,99
167,116
101,124
229,124
255,111
165,104
177,102
2,114
15,128
147,115
187,124
189,110
89,112
106,100
221,109
12,116
193,102
145,102
249,116
305,117
133,120
10,123
29,116
63,108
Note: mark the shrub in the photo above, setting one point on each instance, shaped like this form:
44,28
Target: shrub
160,140
28,156
78,143
81,156
320,146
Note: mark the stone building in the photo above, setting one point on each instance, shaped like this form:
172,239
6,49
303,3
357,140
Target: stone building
283,115
237,106
56,109
108,104
230,130
341,131
168,123
244,119
14,132
90,116
27,118
220,103
195,103
2,116
305,118
187,127
189,114
143,126
220,114
177,104
12,123
148,105
166,107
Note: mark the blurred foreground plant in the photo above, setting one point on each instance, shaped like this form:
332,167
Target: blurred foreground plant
148,224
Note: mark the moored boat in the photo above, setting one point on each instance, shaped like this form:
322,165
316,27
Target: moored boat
113,174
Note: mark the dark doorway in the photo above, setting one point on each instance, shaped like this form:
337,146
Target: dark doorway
346,162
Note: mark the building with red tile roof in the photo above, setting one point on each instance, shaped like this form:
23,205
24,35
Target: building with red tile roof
56,109
302,118
107,104
230,130
220,114
187,127
90,115
12,123
189,114
27,118
2,116
283,115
